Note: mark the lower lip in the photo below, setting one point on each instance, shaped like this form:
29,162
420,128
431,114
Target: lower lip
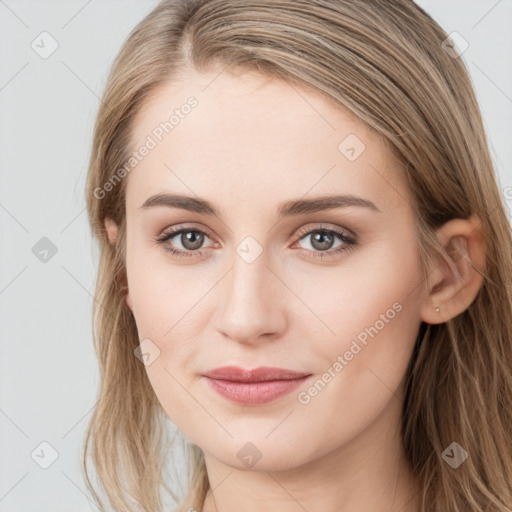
254,393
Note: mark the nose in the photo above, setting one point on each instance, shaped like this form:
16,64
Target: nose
252,303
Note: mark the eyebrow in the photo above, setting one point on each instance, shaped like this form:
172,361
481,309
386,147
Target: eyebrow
286,209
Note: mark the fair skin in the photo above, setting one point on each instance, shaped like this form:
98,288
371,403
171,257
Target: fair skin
250,144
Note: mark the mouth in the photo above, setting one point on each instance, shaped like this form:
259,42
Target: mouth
254,387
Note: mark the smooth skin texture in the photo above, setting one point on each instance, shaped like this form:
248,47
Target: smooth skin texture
252,143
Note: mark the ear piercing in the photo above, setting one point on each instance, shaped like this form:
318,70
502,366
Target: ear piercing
437,309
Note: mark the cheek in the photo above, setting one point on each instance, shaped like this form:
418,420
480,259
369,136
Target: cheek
165,295
375,318
169,313
370,311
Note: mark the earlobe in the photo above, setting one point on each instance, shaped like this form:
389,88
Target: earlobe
458,274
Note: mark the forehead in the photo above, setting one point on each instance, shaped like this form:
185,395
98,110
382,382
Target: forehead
254,140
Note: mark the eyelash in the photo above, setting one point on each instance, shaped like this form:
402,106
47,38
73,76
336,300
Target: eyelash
349,242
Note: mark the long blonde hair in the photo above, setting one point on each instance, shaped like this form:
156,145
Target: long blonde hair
384,61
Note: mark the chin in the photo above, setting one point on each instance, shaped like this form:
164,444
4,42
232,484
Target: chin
262,454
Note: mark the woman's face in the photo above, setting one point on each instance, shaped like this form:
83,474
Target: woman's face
270,272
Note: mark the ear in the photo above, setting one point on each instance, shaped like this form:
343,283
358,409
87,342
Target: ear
457,275
112,230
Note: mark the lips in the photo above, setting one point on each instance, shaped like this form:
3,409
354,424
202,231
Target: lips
261,374
253,387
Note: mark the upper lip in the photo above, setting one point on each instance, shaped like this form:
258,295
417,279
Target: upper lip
261,374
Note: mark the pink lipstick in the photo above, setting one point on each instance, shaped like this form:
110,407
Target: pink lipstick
254,387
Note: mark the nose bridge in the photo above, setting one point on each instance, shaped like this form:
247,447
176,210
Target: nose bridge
250,304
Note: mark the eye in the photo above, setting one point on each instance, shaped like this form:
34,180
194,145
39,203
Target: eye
323,239
189,241
189,238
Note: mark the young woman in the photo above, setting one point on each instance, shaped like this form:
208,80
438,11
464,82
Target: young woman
305,265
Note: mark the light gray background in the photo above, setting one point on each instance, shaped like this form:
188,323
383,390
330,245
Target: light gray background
48,371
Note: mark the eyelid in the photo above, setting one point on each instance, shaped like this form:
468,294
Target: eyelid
308,228
174,230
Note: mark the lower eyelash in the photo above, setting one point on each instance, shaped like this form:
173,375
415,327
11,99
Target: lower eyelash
182,254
